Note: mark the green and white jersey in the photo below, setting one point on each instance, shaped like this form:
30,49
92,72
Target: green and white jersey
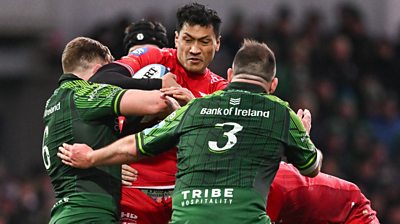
82,112
230,145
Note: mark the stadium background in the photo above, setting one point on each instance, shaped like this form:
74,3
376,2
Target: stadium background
338,58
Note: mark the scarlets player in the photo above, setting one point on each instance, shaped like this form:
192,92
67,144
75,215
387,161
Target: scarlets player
197,39
294,198
148,200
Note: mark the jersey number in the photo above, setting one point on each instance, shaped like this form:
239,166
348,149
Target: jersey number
45,149
232,140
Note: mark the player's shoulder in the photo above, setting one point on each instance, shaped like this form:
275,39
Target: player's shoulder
76,84
171,51
212,75
339,183
92,90
282,104
216,81
288,168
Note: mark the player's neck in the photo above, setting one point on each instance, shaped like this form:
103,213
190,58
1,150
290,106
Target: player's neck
265,86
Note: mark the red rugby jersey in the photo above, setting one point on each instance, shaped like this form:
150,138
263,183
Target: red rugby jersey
294,198
159,171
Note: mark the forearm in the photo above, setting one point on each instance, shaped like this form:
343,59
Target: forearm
119,152
118,75
317,167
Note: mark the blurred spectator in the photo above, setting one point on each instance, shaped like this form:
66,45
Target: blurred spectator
386,125
282,34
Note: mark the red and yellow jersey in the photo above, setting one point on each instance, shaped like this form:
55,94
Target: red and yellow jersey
160,170
294,198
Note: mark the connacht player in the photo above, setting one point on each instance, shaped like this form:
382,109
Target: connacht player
81,111
197,39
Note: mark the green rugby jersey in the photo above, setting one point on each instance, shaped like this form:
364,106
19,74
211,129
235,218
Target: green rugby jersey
230,145
82,112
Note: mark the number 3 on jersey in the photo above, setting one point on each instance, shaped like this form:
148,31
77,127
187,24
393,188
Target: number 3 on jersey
232,140
45,149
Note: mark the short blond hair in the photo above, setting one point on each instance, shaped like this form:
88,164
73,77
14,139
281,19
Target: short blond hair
82,52
255,58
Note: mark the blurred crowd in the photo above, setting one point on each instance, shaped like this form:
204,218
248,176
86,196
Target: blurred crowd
346,76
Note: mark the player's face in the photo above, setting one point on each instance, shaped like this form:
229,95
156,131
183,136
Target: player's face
196,46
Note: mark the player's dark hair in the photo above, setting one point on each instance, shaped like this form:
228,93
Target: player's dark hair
255,58
197,14
145,32
81,52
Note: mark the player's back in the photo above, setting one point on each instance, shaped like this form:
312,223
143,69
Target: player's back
79,112
229,150
294,198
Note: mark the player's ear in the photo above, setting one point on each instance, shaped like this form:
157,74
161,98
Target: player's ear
274,84
176,38
229,74
218,43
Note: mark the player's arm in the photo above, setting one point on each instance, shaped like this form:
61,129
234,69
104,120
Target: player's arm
141,57
83,156
128,149
139,102
119,75
301,151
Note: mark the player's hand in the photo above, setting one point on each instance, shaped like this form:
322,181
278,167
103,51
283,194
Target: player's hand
173,103
76,155
128,175
169,80
182,95
305,117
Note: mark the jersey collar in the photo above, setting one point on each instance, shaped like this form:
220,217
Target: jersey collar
67,77
245,86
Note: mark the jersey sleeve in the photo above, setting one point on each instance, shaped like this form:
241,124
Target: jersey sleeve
162,136
95,101
119,75
301,151
141,57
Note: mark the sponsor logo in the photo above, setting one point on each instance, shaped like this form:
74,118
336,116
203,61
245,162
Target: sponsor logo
128,215
212,196
52,109
94,94
234,101
128,218
305,138
139,51
235,112
140,36
215,78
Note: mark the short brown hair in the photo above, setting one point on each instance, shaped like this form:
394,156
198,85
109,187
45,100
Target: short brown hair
81,52
255,58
